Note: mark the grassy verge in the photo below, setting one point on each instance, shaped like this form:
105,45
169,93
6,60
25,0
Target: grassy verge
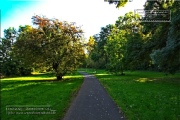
35,96
144,95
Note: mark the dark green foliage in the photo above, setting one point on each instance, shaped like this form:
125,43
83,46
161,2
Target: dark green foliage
10,64
144,45
98,54
168,57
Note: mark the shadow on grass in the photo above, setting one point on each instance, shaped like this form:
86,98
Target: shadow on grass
8,85
34,80
58,94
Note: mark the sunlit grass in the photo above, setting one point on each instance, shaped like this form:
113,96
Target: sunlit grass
144,95
40,76
39,90
144,80
30,78
71,76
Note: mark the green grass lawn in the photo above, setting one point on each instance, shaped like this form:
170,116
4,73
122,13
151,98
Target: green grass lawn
37,96
144,95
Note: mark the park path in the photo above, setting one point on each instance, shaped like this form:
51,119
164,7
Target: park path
93,103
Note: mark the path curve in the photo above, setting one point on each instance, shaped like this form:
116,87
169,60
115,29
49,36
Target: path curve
93,103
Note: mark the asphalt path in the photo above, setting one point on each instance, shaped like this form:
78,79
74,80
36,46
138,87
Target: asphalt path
93,103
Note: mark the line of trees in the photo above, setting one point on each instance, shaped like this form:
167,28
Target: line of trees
58,46
135,45
51,45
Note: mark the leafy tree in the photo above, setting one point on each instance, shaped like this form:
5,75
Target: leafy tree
9,62
5,56
116,50
98,55
118,3
168,57
53,44
140,45
161,46
90,44
134,57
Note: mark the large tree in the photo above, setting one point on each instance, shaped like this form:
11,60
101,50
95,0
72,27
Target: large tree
52,43
167,58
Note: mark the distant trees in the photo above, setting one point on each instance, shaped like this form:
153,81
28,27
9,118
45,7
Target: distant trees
131,44
10,64
98,54
90,44
52,44
116,50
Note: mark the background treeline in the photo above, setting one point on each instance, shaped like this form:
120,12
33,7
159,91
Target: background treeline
10,64
130,44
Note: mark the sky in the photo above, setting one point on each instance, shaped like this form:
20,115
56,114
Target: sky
90,14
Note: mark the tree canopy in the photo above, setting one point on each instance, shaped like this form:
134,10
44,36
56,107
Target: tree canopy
53,44
132,44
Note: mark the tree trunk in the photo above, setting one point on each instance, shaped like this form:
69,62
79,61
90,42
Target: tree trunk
122,71
55,67
59,77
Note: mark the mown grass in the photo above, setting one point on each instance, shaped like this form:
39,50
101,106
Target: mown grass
38,91
144,95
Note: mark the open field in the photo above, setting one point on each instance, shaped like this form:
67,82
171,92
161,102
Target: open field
37,96
143,95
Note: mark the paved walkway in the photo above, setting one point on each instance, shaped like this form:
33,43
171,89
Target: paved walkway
93,103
